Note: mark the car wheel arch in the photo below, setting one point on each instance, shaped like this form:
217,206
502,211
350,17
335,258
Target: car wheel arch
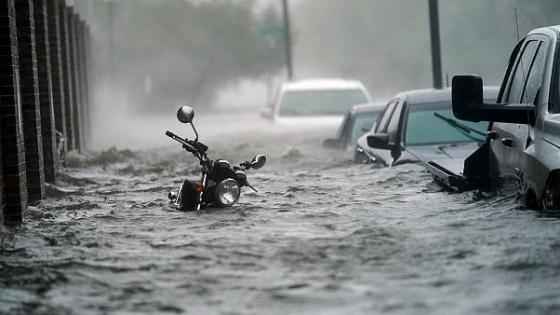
532,201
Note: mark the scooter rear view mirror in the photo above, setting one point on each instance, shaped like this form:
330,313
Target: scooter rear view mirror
258,162
185,114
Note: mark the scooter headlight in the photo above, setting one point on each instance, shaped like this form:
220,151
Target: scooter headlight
227,192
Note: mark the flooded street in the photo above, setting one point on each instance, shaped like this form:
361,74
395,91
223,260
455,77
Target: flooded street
322,236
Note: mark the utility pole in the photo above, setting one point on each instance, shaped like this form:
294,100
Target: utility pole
288,39
436,44
111,33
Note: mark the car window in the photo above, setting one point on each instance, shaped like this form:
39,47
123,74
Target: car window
320,102
393,128
362,123
424,128
536,74
384,120
517,84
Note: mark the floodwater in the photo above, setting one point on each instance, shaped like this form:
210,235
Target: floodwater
322,236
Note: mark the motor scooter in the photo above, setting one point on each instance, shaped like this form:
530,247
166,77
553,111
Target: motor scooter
220,184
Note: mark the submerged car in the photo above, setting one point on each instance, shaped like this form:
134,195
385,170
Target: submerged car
522,147
417,126
316,102
357,121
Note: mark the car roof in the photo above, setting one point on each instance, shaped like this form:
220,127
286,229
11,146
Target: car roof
441,95
368,108
322,84
425,96
546,29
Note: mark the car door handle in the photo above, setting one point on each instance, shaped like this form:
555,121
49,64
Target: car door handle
507,142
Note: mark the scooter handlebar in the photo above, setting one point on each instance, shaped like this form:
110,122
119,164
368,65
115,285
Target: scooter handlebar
188,146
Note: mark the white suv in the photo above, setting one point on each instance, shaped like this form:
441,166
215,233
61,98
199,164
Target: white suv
316,102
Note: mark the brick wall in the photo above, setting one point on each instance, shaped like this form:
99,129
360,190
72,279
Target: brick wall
13,151
29,91
45,88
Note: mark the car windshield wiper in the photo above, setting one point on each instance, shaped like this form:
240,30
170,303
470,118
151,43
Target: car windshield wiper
466,130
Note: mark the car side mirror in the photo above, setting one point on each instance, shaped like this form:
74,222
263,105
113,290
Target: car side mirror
379,141
185,114
331,143
467,101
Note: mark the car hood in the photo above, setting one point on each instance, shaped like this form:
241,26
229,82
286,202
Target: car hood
442,151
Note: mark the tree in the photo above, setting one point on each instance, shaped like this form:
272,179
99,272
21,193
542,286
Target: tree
168,52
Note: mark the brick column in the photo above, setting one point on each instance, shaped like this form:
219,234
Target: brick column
88,79
57,74
75,78
45,88
2,201
29,88
83,82
67,73
13,151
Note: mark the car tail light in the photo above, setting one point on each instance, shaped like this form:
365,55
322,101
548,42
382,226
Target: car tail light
552,191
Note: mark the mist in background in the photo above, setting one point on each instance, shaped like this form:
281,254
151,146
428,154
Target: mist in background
175,51
151,55
386,44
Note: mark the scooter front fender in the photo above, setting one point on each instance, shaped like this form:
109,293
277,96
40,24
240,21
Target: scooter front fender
187,199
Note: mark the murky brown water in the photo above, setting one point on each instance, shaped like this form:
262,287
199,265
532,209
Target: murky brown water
322,236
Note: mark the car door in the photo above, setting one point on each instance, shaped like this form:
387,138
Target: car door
509,141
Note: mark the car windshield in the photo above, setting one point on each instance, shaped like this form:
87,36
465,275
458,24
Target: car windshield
362,124
320,102
424,128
